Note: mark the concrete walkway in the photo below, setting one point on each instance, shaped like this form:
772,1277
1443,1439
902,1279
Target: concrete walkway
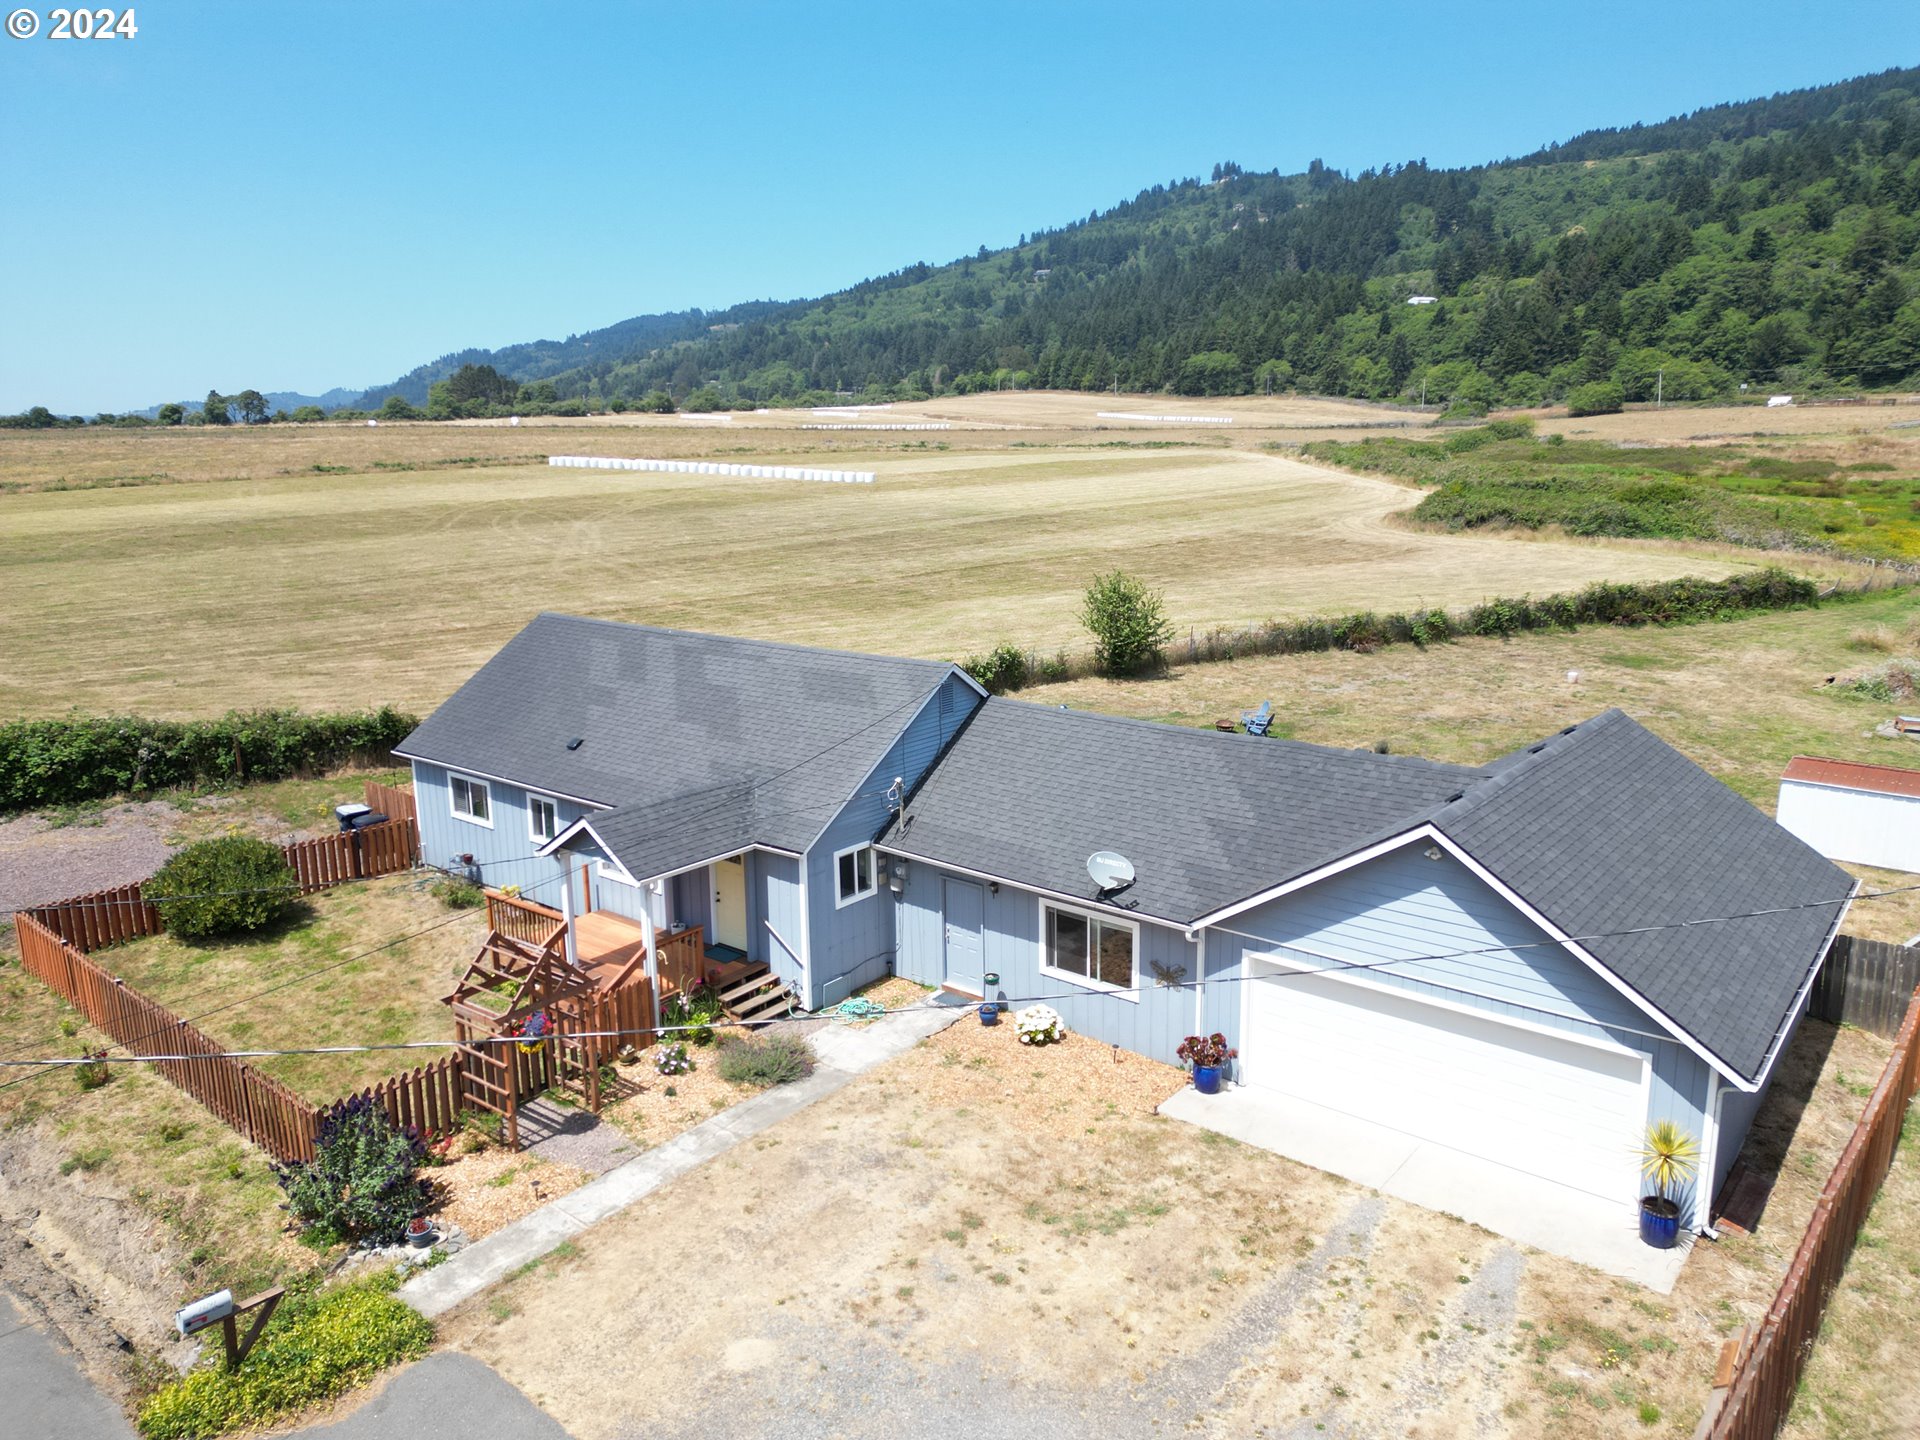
844,1051
1551,1217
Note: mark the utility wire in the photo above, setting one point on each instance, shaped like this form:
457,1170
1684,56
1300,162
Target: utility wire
1079,992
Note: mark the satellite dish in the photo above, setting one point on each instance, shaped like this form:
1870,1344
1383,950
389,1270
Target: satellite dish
1110,871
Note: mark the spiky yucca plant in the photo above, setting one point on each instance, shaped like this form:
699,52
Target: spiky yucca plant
1669,1157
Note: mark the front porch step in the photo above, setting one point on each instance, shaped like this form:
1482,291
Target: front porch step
754,996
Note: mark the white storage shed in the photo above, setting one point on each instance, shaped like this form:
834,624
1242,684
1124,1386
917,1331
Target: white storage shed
1864,814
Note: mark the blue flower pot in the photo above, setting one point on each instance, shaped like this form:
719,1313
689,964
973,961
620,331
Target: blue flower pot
1658,1228
989,1014
1206,1078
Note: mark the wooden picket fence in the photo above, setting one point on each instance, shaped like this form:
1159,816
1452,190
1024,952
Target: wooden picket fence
393,801
256,1105
1766,1372
1867,983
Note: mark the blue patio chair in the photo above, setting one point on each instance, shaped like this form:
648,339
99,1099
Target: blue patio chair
1257,721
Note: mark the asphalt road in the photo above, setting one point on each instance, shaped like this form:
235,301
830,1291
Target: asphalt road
443,1397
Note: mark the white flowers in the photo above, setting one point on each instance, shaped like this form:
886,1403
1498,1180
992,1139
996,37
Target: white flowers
1039,1025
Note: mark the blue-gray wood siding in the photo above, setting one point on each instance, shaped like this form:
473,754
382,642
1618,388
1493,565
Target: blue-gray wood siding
504,850
854,944
1152,1023
1405,908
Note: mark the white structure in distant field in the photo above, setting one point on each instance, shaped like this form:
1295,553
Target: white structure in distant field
1423,299
1774,402
1865,814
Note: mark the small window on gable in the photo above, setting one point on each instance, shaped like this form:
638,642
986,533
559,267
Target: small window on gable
471,799
854,872
543,818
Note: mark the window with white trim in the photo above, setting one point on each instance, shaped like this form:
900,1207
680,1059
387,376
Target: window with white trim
543,818
471,799
1087,949
854,873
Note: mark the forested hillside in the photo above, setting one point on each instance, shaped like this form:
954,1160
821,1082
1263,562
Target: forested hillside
1770,243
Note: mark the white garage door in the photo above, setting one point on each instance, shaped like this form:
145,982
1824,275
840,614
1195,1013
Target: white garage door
1555,1108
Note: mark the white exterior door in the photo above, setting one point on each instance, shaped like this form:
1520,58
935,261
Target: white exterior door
730,903
1549,1105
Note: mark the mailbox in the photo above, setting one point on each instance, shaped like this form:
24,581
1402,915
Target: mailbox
201,1313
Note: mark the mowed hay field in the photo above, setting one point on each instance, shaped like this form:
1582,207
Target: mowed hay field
325,589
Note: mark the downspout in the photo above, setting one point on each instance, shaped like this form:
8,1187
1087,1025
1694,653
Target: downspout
1710,1162
1199,938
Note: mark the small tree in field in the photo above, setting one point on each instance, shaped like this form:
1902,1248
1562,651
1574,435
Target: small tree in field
223,887
1129,624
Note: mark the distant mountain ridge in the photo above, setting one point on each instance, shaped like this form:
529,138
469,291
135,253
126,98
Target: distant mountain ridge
1769,241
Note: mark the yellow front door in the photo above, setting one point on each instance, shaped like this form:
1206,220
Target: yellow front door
730,903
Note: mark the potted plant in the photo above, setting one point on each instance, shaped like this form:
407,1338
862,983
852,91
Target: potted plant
989,1013
1667,1160
1208,1054
420,1232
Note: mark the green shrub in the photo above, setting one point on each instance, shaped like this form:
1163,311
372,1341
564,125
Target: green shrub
1129,624
458,894
691,1014
60,762
223,887
95,1073
774,1057
1602,397
1002,669
316,1347
360,1183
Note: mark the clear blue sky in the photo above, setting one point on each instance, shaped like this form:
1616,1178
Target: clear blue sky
295,196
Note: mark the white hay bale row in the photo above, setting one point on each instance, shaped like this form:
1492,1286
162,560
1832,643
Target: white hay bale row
712,467
940,425
1169,419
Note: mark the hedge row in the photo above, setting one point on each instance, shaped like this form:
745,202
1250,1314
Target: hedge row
60,762
1664,602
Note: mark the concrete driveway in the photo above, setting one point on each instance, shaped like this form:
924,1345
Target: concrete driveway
1555,1218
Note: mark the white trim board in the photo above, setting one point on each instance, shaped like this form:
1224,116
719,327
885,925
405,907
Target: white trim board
1434,835
503,779
1116,911
1089,982
1440,1002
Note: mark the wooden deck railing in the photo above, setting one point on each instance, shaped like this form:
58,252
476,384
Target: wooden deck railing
1767,1372
520,919
681,959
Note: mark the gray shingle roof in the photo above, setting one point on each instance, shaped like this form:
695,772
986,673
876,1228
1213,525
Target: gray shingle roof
1602,828
1605,827
708,737
1028,792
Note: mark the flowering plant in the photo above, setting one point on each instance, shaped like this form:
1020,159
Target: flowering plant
534,1029
1209,1050
672,1059
1039,1025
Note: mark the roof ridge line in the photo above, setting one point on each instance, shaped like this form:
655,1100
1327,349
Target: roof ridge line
753,640
1213,736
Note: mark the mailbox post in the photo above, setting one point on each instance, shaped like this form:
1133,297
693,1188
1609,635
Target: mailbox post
220,1308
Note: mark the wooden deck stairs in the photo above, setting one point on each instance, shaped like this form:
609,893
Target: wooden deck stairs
751,993
510,980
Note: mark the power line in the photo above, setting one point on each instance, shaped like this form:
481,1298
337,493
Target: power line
44,1065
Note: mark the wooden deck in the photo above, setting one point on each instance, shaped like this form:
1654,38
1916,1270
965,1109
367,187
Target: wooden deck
610,947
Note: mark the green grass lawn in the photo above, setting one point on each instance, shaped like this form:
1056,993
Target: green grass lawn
328,976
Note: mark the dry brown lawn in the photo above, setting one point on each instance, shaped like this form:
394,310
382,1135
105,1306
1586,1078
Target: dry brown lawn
984,1225
343,590
1741,697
